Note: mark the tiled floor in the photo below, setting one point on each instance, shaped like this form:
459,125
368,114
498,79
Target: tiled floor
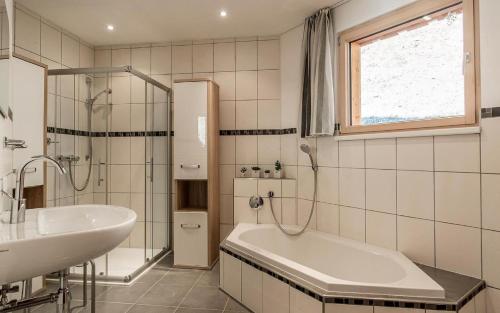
161,290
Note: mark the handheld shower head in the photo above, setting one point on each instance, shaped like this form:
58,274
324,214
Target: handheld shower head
307,150
105,91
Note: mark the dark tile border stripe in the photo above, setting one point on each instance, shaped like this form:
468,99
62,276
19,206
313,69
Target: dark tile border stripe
490,112
74,132
363,301
231,132
257,132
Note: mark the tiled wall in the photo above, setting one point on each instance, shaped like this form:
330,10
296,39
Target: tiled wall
247,70
42,41
248,73
433,198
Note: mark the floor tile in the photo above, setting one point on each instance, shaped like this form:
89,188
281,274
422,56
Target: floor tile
206,298
233,306
209,278
166,295
124,294
138,308
108,307
178,277
77,290
189,310
152,276
165,263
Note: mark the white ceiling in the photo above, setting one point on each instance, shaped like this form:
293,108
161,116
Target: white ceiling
138,21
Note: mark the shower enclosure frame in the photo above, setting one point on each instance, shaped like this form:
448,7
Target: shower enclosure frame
147,79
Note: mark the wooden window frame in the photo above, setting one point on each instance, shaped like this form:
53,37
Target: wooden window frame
385,25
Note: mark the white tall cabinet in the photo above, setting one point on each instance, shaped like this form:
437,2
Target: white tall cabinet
196,173
28,87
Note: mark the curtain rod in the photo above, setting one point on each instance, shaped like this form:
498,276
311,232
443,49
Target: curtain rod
336,5
340,3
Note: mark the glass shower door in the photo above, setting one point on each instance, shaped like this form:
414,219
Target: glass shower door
157,186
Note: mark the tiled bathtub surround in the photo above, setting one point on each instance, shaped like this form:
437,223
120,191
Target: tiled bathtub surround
284,201
261,288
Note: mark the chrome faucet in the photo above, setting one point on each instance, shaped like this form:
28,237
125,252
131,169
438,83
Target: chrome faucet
18,212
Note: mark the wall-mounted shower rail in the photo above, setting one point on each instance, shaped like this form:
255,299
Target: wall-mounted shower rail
104,70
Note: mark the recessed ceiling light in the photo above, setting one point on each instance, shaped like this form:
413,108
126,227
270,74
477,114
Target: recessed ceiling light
223,13
110,27
427,18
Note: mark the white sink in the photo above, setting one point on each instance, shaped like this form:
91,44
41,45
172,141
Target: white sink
53,239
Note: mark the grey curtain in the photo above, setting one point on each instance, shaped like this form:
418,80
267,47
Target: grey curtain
317,113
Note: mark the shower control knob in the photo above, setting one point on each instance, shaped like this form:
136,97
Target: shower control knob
256,202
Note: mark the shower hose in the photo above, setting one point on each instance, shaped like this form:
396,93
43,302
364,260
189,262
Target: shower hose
89,170
303,229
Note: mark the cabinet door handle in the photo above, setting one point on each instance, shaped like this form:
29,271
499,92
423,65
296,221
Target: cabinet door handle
99,179
192,166
30,170
190,226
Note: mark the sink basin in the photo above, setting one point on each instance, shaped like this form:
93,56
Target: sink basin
56,238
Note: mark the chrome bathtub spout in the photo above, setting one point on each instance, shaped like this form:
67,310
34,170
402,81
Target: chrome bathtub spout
18,212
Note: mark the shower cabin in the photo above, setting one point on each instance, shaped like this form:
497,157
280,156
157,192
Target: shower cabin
111,128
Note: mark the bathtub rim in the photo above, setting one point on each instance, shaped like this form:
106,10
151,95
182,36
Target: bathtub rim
329,284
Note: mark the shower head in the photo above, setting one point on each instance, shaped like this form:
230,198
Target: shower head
105,91
307,150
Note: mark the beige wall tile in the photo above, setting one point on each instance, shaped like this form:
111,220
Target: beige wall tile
182,59
269,84
27,29
267,112
352,154
328,185
415,153
224,57
381,229
161,60
352,223
246,56
269,55
458,198
327,152
251,287
203,58
50,43
381,190
490,189
246,85
416,239
459,153
328,218
415,194
267,152
352,187
491,257
276,295
490,145
458,249
381,153
300,302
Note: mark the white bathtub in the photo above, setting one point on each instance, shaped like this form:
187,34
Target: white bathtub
334,264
